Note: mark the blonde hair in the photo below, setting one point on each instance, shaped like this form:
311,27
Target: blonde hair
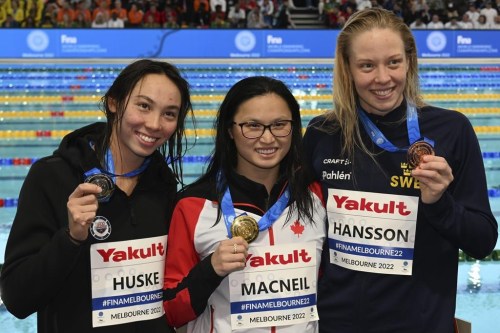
344,91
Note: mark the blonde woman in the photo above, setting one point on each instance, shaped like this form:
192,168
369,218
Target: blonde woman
405,188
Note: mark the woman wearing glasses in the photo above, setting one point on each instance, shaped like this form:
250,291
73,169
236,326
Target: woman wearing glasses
246,238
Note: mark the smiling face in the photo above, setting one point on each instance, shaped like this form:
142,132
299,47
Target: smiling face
264,154
378,66
149,120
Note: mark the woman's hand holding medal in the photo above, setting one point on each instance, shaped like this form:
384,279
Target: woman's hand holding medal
230,256
82,207
434,175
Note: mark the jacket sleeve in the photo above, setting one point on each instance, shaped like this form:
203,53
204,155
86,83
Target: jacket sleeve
39,255
189,282
463,214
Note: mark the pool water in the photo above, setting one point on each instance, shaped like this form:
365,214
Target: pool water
40,103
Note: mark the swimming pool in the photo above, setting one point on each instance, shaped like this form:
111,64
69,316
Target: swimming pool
40,103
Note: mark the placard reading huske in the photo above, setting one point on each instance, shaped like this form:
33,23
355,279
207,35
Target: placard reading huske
127,280
276,288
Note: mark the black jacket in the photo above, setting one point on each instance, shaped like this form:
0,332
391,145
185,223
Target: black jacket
351,301
44,271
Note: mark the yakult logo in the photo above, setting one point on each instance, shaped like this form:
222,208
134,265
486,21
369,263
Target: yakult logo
269,259
131,253
390,207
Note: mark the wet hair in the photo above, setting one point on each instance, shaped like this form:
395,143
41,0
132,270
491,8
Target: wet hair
344,92
119,93
224,155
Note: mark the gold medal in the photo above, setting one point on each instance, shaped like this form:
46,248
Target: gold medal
416,151
246,227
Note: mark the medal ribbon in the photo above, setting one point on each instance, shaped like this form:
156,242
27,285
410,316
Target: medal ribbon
380,140
110,168
265,222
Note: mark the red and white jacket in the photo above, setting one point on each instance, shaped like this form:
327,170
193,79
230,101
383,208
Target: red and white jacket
195,294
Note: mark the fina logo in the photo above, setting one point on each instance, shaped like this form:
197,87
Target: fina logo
245,41
436,41
38,41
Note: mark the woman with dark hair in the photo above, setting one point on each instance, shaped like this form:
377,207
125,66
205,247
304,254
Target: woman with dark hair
246,238
405,188
87,246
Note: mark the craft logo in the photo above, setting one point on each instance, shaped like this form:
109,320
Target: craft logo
37,41
436,41
245,41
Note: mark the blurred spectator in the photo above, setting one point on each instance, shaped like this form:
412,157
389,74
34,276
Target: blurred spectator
67,21
120,11
236,16
377,3
218,18
48,20
4,6
255,20
157,17
49,16
149,22
418,24
282,18
17,11
214,3
102,9
35,9
115,21
451,11
267,10
81,21
202,16
135,16
217,14
321,10
344,5
435,23
248,5
466,23
83,9
171,22
489,12
65,14
99,21
452,24
473,13
333,15
10,22
171,16
496,23
481,23
31,20
362,4
186,12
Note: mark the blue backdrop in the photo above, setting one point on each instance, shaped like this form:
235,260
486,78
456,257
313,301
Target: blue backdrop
212,43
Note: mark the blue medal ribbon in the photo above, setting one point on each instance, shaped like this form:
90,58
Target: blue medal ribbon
265,222
380,140
110,168
110,171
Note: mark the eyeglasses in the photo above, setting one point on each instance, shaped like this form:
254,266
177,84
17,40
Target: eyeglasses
254,130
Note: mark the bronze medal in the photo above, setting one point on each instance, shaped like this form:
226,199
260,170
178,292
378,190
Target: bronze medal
246,227
416,151
105,183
